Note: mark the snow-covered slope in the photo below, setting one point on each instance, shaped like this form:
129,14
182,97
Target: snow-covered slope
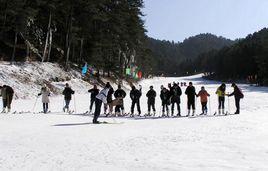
27,78
58,141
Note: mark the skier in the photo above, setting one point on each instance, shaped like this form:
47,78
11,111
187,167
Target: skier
100,98
175,99
151,94
67,92
45,98
165,97
94,92
203,94
135,95
119,95
237,93
109,103
221,98
190,92
7,95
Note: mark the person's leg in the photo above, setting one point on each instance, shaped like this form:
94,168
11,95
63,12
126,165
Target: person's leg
91,104
98,104
9,100
44,107
237,104
4,104
172,108
149,107
188,107
178,108
67,102
153,106
132,107
139,107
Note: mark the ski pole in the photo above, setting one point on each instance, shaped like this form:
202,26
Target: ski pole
35,103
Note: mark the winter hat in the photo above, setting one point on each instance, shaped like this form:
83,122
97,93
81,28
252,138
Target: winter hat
151,87
233,84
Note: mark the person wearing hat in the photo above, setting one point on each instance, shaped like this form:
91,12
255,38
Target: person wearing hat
191,94
221,98
151,94
175,93
237,93
135,96
100,98
94,92
203,94
119,95
165,98
67,92
45,98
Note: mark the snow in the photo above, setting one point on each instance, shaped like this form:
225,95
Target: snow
59,141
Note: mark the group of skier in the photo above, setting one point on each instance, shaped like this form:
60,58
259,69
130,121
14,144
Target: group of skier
170,96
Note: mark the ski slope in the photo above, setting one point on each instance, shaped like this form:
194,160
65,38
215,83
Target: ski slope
57,141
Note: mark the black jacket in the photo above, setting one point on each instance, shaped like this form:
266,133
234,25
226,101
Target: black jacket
151,94
135,95
175,94
94,93
110,95
237,93
165,96
190,92
67,92
119,93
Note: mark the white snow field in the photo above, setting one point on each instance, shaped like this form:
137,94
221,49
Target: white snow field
58,141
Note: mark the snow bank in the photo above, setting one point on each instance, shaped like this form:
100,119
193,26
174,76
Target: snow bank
27,78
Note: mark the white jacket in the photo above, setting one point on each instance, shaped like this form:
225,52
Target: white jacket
45,96
103,95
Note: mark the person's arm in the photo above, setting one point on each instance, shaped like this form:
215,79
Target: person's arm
90,90
231,94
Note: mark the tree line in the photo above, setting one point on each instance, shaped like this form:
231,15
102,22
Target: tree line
247,58
108,34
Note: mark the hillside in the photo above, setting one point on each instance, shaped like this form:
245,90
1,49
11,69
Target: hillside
172,58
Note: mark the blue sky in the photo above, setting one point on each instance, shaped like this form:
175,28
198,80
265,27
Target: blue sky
179,19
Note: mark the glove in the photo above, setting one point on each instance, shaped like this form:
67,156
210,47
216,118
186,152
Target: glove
39,94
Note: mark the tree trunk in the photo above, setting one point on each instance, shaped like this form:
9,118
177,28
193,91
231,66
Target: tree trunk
68,37
50,44
48,31
5,15
81,50
14,48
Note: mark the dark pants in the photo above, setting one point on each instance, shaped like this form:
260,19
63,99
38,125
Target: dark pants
178,107
45,107
67,103
92,101
204,107
134,102
7,102
164,107
237,105
118,108
221,102
151,104
191,104
98,104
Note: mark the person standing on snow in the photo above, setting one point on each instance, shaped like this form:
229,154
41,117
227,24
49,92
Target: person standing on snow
119,95
45,98
7,96
67,92
109,103
165,97
151,94
100,98
135,96
94,92
175,99
221,98
191,94
237,93
203,94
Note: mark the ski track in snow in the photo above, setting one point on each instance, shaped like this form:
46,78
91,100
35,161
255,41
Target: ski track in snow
58,141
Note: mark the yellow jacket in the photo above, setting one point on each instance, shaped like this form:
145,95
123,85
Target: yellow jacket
220,93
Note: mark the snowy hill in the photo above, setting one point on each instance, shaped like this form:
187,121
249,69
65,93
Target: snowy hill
27,78
58,141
